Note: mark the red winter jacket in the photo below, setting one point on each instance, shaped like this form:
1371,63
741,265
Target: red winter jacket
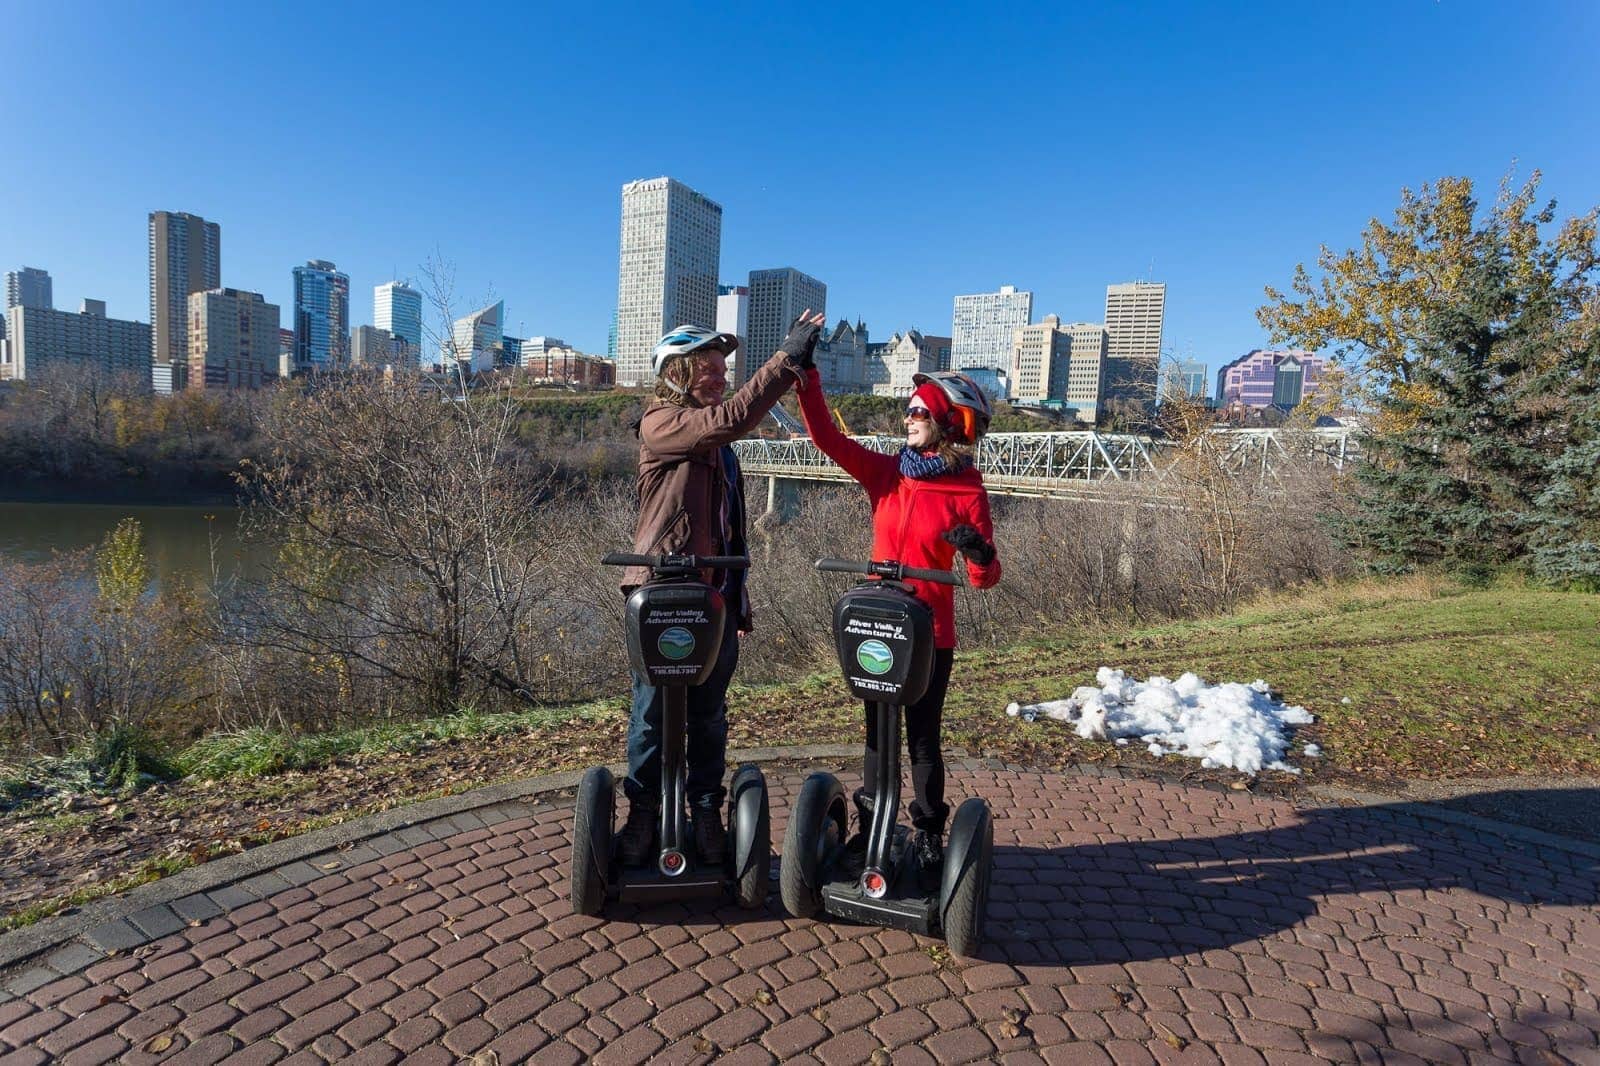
909,515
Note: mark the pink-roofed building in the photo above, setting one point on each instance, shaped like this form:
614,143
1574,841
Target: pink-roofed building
1270,378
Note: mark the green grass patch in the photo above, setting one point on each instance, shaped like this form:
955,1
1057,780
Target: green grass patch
257,752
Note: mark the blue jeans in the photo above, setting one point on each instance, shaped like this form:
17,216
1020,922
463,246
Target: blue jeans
706,743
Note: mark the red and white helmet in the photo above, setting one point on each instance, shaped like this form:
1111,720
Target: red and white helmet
970,410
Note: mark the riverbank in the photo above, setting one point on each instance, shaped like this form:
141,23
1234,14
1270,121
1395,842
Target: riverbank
202,487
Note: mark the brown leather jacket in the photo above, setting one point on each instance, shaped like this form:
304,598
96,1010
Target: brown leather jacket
680,475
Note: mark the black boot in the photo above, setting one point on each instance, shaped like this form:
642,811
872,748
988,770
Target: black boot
929,849
864,805
638,836
710,839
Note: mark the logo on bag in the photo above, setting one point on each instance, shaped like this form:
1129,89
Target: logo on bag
875,657
675,643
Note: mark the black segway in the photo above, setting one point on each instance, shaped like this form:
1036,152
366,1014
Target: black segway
674,624
884,636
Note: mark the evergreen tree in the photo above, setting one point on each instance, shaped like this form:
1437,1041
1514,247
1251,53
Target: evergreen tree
1450,484
1564,523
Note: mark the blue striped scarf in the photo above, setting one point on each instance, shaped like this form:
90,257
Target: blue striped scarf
914,464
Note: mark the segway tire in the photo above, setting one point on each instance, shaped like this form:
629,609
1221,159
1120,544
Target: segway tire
965,907
816,826
751,884
591,840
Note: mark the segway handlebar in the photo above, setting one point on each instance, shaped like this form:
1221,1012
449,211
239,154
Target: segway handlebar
677,562
887,569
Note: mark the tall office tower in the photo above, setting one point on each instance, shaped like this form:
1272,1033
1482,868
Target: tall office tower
1086,368
321,317
667,275
233,340
28,287
476,340
40,338
733,316
185,257
397,307
1038,362
777,297
1135,312
983,325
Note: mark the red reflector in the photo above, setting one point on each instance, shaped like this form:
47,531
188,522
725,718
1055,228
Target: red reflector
672,860
874,883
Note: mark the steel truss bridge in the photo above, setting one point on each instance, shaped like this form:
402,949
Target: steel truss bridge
1082,464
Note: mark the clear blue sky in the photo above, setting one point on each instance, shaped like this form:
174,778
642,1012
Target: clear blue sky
901,156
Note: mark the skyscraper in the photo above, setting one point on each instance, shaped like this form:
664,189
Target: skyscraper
476,340
1086,368
185,257
733,316
321,316
233,340
28,287
1038,363
397,307
983,325
667,274
777,297
1135,313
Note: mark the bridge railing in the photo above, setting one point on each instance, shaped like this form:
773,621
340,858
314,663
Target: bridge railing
1077,458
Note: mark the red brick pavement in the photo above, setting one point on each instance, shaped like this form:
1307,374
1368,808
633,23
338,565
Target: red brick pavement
1130,922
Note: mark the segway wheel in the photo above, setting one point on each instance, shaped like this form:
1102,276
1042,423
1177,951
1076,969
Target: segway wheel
747,807
966,887
591,840
816,827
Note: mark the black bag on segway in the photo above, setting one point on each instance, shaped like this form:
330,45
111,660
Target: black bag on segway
885,643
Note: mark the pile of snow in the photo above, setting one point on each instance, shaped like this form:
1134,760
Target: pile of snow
1228,725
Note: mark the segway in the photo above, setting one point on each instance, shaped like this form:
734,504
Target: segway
884,636
674,626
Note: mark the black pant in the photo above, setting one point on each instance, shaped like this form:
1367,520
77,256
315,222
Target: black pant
928,809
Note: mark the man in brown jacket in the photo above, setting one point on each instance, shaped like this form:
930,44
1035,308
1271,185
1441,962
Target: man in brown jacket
691,501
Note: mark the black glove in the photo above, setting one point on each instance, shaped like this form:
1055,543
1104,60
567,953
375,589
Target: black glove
801,343
970,543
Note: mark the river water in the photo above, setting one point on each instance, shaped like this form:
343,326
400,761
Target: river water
180,540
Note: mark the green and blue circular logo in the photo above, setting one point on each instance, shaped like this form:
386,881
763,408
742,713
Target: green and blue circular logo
675,643
875,657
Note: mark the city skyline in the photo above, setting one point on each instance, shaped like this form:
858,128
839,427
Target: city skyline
1239,170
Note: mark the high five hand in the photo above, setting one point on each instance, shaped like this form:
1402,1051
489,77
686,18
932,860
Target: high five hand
801,343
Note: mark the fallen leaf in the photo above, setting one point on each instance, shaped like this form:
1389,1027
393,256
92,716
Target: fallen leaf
702,1045
158,1044
763,997
1010,1030
485,1058
819,1014
1172,1040
334,865
880,1057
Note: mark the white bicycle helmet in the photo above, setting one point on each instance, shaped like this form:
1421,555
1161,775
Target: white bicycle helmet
686,340
968,404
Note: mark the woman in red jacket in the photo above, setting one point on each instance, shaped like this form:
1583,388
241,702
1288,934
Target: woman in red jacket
927,502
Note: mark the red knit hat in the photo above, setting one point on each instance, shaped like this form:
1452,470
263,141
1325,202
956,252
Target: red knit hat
933,398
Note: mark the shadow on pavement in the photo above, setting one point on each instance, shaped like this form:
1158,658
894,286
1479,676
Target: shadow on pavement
1152,899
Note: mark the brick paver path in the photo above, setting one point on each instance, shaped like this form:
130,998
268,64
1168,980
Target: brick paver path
1130,921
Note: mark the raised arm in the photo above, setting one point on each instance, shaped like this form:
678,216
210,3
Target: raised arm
674,432
873,469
